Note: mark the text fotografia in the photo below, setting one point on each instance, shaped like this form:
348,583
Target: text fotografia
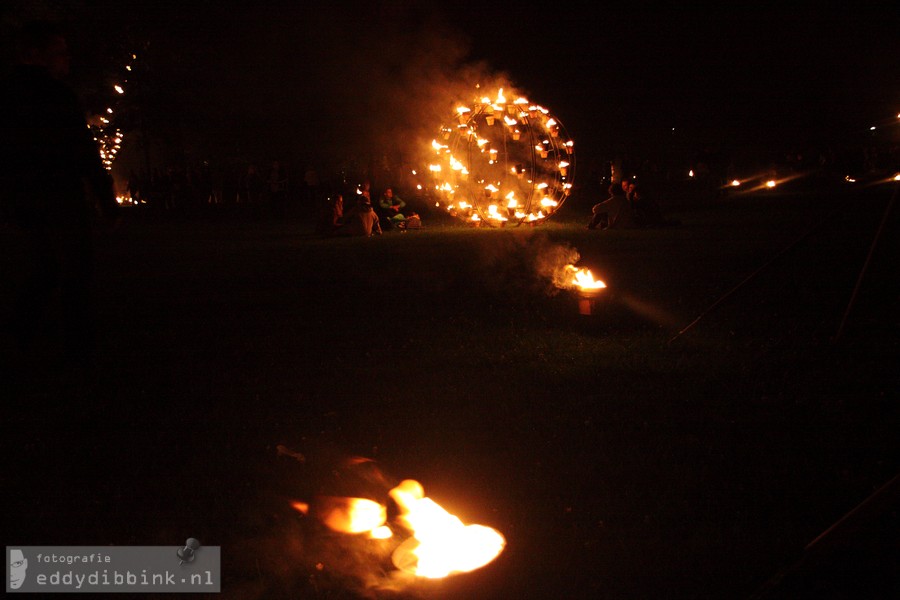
184,567
116,578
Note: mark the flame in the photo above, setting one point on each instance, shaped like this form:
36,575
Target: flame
441,544
493,214
461,169
584,279
347,515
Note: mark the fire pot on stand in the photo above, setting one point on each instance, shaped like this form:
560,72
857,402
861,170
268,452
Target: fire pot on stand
587,300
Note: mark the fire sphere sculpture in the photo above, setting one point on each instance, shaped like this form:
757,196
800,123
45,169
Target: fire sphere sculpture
503,162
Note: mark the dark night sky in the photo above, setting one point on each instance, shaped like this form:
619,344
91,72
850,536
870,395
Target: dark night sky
351,75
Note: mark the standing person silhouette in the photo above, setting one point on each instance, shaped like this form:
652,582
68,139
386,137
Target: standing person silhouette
52,184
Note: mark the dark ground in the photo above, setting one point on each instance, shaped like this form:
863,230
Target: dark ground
617,464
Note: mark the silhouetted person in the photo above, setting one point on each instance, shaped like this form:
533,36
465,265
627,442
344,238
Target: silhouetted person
331,217
360,220
311,179
53,183
614,212
277,183
646,210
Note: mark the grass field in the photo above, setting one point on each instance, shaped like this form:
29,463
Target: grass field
619,458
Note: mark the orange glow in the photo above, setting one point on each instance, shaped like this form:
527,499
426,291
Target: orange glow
441,544
469,155
347,515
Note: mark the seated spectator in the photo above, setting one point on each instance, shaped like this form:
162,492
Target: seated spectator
413,221
360,220
645,208
613,213
331,216
391,206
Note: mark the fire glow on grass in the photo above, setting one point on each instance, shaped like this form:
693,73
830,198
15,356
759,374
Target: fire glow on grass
436,544
502,162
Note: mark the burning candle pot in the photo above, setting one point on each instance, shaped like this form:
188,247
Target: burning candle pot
587,288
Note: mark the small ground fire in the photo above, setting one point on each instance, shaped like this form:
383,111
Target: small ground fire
432,543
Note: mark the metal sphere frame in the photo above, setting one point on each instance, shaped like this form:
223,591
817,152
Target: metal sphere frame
504,163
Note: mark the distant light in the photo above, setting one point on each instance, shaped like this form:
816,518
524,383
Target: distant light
119,89
770,183
691,173
735,183
109,110
897,177
872,128
849,179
